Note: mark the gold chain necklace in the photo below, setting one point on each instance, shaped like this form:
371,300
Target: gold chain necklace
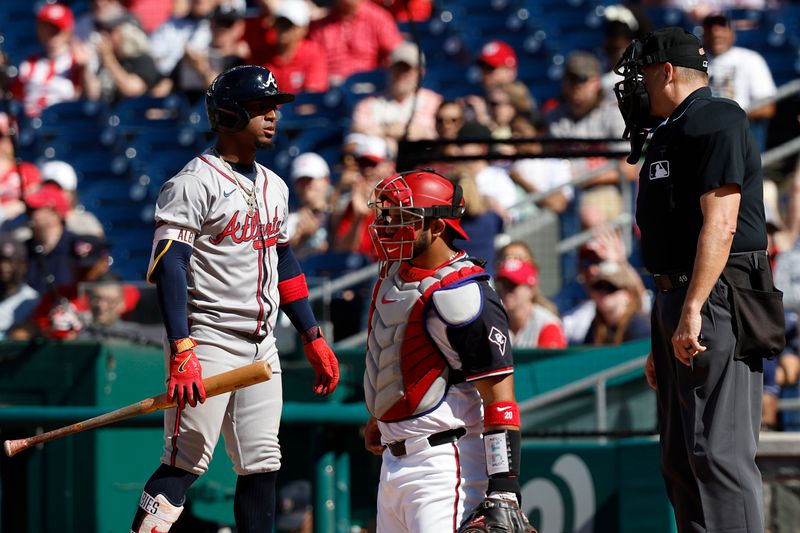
249,197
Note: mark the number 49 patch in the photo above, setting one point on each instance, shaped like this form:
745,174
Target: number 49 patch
498,337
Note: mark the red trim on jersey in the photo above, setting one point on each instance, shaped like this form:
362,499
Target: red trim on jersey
458,485
421,362
176,431
502,414
293,289
258,290
212,165
491,373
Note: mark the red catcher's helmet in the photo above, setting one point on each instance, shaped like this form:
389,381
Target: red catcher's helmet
402,200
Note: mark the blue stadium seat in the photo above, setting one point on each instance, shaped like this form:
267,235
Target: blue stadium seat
362,84
133,114
68,114
311,110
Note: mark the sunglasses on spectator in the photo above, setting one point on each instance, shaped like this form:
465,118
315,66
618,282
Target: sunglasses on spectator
366,162
576,79
451,120
604,287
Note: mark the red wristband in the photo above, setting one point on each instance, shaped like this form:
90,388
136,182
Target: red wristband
293,289
502,414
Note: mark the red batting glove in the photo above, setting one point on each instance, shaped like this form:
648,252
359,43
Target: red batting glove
326,367
185,374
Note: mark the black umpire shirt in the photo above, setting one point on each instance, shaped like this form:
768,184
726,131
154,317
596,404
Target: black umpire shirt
706,143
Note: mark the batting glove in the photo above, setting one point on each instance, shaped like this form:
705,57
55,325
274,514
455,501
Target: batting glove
325,365
185,375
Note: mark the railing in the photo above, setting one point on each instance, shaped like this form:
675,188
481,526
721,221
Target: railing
597,381
625,220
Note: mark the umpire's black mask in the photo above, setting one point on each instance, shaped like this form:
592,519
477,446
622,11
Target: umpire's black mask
674,45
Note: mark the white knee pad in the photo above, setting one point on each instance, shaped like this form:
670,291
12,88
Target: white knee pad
155,514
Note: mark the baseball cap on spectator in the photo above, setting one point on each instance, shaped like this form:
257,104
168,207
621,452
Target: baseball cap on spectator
372,148
294,501
58,15
11,248
61,173
581,66
87,250
518,272
674,45
498,54
227,14
295,11
407,53
474,130
717,18
309,165
48,195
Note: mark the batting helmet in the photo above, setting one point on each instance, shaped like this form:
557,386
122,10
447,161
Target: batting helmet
227,93
402,200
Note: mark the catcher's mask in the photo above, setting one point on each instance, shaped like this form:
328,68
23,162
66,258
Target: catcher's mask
403,202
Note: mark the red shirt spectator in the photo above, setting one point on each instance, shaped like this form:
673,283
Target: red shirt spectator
54,76
151,13
299,65
357,36
405,10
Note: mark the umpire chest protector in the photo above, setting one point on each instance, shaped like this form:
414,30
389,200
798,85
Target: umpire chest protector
406,373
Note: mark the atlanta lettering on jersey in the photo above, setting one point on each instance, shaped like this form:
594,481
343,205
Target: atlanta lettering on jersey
251,230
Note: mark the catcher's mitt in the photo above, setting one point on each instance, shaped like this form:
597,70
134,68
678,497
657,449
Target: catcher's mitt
496,516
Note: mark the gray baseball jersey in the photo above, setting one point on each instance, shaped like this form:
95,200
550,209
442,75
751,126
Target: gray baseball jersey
232,305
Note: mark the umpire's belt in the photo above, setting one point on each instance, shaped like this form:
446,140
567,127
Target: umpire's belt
670,282
417,444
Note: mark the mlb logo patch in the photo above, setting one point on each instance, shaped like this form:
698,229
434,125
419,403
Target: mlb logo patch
659,170
497,337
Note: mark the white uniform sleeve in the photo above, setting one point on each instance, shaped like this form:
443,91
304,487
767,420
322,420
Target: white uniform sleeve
184,202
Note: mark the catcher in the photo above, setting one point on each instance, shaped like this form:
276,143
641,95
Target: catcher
439,372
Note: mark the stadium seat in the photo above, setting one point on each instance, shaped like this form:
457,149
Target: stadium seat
134,113
362,84
311,110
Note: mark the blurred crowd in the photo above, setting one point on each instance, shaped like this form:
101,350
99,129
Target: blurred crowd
56,264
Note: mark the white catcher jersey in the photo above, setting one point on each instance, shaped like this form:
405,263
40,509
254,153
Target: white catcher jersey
233,272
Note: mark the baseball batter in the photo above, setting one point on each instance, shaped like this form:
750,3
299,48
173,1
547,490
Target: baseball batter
439,371
222,267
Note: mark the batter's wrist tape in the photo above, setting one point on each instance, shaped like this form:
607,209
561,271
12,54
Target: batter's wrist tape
311,334
503,448
502,414
293,289
181,345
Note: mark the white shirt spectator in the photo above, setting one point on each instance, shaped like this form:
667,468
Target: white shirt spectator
741,75
168,43
494,182
546,174
48,81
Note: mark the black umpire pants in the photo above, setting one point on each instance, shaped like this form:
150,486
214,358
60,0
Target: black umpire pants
709,416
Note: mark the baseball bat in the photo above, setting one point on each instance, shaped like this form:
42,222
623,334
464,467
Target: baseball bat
219,384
